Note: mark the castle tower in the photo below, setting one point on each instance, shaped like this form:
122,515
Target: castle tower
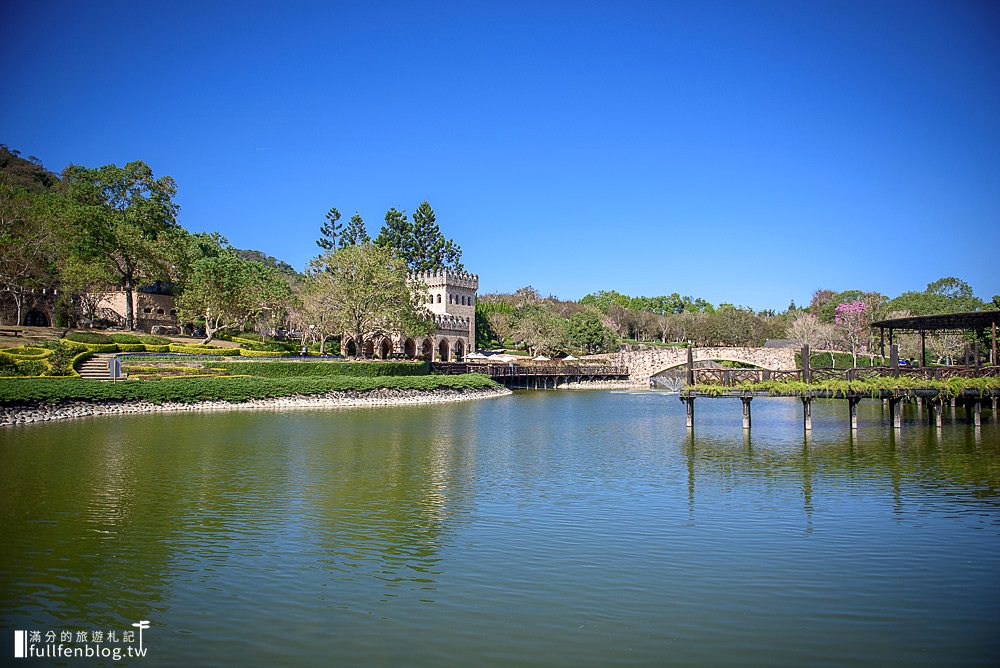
451,297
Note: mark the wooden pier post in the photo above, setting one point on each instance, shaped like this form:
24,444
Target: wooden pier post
806,368
689,410
895,413
994,404
746,411
852,407
807,418
977,412
937,407
690,365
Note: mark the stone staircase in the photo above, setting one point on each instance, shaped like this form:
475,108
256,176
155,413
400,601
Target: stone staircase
96,367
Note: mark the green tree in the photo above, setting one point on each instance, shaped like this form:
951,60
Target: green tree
329,230
541,332
226,292
355,233
123,214
586,331
366,290
396,234
420,244
28,247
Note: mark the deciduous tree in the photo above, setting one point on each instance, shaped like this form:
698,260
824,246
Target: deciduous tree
122,213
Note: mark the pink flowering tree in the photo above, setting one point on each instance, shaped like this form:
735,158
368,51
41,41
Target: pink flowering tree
852,319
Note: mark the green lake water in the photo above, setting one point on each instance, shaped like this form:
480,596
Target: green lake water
543,529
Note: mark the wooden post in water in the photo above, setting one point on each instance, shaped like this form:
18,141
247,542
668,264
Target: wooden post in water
806,370
852,407
895,413
937,407
746,411
690,365
807,418
689,411
977,412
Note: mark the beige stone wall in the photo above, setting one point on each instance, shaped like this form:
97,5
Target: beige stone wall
150,309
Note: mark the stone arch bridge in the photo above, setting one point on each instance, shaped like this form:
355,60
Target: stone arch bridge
642,364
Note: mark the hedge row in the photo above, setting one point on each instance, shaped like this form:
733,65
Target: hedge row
300,369
187,390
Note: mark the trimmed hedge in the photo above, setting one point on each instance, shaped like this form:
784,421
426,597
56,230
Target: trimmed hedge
198,349
125,338
154,348
89,337
149,339
102,347
297,369
263,353
28,352
187,390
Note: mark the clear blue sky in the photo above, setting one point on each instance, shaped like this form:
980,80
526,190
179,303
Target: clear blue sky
747,152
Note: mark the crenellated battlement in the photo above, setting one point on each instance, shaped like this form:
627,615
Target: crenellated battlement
446,278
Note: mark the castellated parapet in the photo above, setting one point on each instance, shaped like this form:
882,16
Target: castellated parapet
450,297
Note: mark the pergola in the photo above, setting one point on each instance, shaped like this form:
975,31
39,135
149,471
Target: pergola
975,321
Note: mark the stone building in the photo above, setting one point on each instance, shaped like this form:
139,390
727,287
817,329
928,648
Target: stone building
450,296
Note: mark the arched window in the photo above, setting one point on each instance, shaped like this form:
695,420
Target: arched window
439,299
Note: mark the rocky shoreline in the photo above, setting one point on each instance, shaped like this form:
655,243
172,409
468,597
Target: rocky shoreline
68,410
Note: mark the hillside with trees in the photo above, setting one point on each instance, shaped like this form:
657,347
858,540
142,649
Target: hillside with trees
86,231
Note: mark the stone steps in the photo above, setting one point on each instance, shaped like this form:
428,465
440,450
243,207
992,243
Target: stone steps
96,367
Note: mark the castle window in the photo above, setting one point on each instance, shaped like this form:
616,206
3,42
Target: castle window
159,311
147,310
439,299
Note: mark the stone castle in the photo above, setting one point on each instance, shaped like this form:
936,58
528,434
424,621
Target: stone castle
450,296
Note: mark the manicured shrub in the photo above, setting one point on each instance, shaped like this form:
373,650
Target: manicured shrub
64,354
125,338
198,349
188,390
131,347
149,339
263,353
88,337
23,353
298,369
154,348
102,347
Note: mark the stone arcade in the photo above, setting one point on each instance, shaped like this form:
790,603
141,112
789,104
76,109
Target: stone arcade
451,298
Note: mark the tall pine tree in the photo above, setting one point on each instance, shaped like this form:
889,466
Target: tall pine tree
421,244
396,234
329,230
355,233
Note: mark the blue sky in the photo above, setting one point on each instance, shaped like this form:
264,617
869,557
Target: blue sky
744,152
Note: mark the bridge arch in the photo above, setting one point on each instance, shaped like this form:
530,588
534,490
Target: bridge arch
644,364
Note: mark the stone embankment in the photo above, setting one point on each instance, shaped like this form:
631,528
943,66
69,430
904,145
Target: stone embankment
44,412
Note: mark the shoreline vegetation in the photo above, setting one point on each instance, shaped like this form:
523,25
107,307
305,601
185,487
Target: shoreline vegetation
393,394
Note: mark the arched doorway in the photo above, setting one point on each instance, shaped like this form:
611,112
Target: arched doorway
351,348
35,318
384,349
369,349
444,350
410,348
427,349
459,350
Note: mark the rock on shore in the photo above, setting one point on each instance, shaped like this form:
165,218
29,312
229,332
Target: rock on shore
45,412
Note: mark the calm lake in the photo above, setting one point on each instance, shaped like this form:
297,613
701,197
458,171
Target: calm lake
544,529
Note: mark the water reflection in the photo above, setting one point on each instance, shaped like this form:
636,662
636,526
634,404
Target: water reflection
499,529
